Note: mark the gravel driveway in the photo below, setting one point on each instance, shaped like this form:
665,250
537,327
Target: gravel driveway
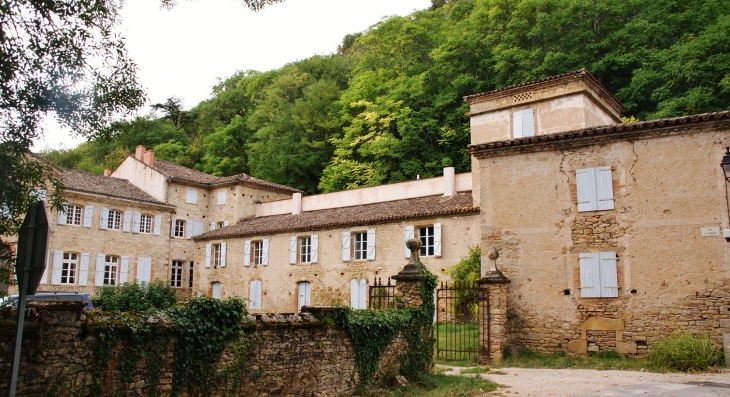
585,382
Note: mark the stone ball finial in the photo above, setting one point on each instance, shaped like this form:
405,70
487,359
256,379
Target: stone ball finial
414,244
493,254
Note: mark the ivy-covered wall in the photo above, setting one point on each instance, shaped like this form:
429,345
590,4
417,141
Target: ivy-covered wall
284,355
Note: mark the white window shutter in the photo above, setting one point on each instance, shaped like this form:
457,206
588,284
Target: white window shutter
172,227
371,244
104,218
315,248
124,269
45,267
225,223
144,268
189,226
57,267
40,194
222,197
362,294
223,254
191,196
585,181
604,188
528,124
62,217
255,295
354,293
517,125
408,233
99,274
608,274
293,250
88,214
437,240
127,221
158,225
197,228
137,220
207,255
590,281
212,226
265,258
84,269
345,246
247,253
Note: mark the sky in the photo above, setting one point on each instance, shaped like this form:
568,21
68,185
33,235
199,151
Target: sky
184,52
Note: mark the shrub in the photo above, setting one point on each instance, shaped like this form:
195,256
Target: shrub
686,352
135,297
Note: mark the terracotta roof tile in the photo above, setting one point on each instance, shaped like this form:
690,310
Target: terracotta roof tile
391,211
185,174
104,185
611,130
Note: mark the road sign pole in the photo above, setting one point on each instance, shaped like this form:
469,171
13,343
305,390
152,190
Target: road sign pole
21,308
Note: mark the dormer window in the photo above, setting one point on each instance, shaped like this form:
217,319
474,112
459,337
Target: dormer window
523,124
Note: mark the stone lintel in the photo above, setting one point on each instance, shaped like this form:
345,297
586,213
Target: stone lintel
494,277
602,324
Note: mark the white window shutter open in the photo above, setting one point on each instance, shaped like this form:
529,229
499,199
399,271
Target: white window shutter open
172,227
585,181
49,259
126,226
354,293
408,233
265,256
247,253
528,124
137,220
362,293
223,254
88,214
315,248
124,269
437,240
345,246
158,225
371,244
604,188
144,268
104,218
293,250
212,226
225,223
57,267
84,269
99,274
517,125
207,255
62,217
189,226
608,274
589,275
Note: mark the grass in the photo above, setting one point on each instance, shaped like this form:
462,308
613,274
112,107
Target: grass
440,385
457,336
601,361
686,352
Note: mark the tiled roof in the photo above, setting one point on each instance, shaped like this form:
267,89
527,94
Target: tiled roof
104,185
590,134
391,211
185,174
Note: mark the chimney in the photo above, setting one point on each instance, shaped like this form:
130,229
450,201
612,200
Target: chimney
296,208
149,157
107,172
449,181
139,152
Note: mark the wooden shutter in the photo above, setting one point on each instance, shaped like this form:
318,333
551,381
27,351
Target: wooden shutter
354,293
293,250
172,227
88,214
516,125
144,268
197,228
585,181
223,254
345,246
255,295
408,233
221,197
99,274
247,253
104,218
137,220
216,290
191,196
604,188
590,281
437,240
315,248
62,217
124,269
371,244
303,291
45,267
57,267
608,274
225,223
40,194
362,293
127,221
265,258
212,226
528,124
207,255
158,225
189,226
84,269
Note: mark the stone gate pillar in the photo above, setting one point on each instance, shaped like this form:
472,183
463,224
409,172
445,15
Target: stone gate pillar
493,315
408,281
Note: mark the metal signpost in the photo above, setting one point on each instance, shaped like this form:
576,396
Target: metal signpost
30,261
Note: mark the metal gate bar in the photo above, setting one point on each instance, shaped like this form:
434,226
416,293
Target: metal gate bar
382,296
462,322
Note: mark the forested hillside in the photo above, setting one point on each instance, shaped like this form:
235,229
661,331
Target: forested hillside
388,105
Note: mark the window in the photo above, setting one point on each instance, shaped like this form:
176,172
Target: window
114,221
178,228
145,224
598,275
256,252
144,269
594,189
304,290
523,124
358,293
305,249
111,269
215,253
176,274
425,234
72,215
69,267
221,224
216,290
221,198
191,196
190,275
254,295
358,245
430,237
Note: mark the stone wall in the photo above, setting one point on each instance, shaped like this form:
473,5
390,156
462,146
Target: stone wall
288,355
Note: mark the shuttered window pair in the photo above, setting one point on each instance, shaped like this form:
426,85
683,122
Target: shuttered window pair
598,275
71,216
595,189
219,225
256,252
182,228
133,221
303,249
358,293
430,237
358,245
215,254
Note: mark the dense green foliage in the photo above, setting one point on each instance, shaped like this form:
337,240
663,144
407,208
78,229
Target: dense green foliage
686,352
388,105
135,297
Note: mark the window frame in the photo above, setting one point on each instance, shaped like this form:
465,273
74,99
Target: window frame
599,268
113,268
179,228
177,266
424,244
304,249
148,224
72,268
257,252
359,253
217,254
71,214
114,218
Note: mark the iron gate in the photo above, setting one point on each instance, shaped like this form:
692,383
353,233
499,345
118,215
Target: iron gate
382,296
462,322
